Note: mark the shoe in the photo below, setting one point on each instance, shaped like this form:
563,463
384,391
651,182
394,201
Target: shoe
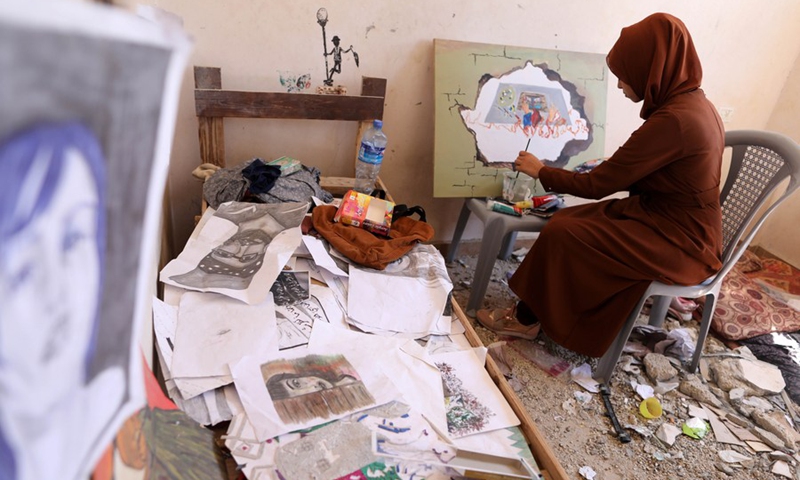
682,308
503,322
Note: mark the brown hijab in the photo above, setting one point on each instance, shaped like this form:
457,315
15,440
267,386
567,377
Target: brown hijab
656,57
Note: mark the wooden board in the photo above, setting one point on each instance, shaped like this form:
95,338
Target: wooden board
548,463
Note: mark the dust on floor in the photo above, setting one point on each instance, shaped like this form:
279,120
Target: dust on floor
581,435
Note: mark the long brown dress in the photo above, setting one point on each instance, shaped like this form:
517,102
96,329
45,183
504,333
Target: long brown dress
592,263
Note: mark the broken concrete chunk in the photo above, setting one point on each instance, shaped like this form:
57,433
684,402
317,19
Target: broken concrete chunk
769,438
776,425
667,433
758,403
732,456
694,388
736,394
764,378
698,412
782,468
658,367
778,455
726,374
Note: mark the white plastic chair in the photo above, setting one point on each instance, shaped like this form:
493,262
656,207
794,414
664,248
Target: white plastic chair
760,161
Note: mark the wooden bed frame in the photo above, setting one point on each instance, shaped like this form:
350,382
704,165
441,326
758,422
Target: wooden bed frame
212,105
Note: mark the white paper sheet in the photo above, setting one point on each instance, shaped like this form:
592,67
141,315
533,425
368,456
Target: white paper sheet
407,364
240,250
62,406
214,330
328,382
321,256
296,321
474,403
408,297
165,323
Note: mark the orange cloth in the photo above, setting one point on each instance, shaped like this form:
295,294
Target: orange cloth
366,248
591,263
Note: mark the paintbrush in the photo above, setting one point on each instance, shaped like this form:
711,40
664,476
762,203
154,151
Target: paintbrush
526,149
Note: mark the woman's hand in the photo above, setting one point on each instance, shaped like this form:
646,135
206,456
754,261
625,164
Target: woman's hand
528,164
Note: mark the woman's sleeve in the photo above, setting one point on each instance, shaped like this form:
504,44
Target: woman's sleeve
655,144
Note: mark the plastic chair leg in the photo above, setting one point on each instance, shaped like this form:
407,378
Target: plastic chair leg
508,245
708,313
607,363
490,246
658,311
460,226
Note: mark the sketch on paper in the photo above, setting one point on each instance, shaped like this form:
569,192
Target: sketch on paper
314,387
85,151
238,250
290,288
296,321
465,413
492,101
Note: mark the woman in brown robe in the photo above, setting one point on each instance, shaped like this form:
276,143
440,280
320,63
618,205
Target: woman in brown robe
592,263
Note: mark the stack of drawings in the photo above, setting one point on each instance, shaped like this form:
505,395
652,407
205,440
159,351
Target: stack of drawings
325,368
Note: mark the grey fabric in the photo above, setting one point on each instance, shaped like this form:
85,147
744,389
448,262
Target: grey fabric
297,187
228,184
225,185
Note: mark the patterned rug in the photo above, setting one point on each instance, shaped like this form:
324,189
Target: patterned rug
746,309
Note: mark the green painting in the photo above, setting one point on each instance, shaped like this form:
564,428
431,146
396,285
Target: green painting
491,101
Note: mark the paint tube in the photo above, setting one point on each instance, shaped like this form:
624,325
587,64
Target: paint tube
503,208
524,204
542,199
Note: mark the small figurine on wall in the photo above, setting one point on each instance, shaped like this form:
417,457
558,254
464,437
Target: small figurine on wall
336,51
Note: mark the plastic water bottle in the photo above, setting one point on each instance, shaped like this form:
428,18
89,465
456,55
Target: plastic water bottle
370,157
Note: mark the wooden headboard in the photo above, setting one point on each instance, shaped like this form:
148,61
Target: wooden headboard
213,104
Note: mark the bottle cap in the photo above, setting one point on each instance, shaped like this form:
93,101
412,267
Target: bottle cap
377,123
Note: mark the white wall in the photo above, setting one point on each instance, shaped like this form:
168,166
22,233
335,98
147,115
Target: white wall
748,48
781,231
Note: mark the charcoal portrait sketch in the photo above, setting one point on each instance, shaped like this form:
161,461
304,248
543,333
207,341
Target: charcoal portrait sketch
233,246
314,387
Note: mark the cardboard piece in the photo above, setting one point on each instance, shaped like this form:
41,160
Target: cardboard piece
361,210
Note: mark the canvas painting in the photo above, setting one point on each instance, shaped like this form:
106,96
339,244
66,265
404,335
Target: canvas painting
493,101
84,148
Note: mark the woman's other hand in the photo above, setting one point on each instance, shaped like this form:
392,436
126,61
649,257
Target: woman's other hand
528,164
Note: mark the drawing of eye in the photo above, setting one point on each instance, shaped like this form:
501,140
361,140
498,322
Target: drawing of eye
223,253
248,257
71,239
21,276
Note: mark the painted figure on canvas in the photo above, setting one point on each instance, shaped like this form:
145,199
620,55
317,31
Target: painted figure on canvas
528,102
492,101
52,228
315,386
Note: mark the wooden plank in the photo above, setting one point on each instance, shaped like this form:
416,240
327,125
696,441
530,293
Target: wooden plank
211,133
229,103
208,77
338,186
541,450
373,87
